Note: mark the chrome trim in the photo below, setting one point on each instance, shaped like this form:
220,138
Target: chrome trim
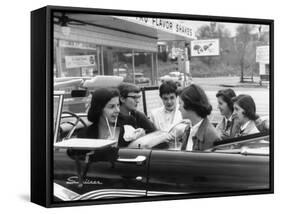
159,193
65,194
138,160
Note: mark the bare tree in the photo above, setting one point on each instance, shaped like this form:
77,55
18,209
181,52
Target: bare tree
243,40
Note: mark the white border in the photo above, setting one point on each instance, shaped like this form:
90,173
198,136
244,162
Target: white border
15,106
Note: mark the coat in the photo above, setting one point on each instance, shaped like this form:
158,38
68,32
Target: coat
204,138
234,129
141,121
250,129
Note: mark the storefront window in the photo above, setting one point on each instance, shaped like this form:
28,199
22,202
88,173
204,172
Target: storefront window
135,67
76,59
267,69
123,64
143,68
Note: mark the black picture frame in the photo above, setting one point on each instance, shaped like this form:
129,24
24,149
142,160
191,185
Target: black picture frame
42,103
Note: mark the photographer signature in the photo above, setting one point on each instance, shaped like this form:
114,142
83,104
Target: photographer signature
74,180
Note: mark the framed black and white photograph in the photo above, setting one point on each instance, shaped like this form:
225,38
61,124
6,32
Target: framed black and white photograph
131,106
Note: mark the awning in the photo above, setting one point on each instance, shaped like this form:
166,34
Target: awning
163,29
128,32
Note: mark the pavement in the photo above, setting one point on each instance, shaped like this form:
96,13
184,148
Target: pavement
228,82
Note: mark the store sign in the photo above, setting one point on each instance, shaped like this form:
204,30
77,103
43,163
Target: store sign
208,47
171,26
73,44
80,61
262,54
177,52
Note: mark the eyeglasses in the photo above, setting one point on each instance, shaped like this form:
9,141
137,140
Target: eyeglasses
135,97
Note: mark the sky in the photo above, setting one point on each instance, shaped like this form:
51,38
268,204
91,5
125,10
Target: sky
230,26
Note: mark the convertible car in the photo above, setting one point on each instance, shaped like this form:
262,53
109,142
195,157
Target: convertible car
234,165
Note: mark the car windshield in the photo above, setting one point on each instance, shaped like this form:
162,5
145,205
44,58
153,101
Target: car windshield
173,75
255,144
138,75
77,105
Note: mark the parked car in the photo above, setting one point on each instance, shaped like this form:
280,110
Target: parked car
237,164
177,77
139,78
120,72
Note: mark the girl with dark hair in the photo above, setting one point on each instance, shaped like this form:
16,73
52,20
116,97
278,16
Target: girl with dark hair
106,124
228,127
104,114
245,112
194,105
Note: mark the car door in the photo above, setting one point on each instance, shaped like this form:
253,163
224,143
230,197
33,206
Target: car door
175,172
126,176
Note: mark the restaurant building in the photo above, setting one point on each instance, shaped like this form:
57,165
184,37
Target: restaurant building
89,45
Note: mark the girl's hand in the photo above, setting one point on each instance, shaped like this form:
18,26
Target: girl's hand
139,133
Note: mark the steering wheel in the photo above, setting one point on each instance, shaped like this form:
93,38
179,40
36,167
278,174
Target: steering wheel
74,124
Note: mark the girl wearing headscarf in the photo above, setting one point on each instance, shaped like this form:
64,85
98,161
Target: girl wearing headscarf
228,126
245,112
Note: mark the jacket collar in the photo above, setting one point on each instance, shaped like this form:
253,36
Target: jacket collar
229,119
244,126
248,126
200,132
